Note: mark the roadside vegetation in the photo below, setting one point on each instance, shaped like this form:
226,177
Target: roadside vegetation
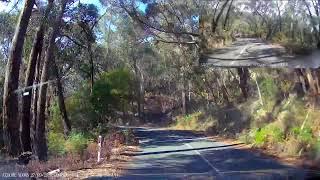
289,24
73,71
280,119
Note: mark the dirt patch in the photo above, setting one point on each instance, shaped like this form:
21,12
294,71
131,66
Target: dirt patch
112,168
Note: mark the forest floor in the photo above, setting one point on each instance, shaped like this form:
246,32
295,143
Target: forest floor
112,168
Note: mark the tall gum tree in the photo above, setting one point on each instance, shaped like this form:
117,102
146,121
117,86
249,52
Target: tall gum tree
40,137
30,75
10,97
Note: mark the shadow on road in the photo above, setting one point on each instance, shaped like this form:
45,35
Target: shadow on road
183,150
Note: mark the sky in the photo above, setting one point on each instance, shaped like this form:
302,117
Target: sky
8,6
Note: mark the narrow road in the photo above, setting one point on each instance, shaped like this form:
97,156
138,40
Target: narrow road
250,52
171,154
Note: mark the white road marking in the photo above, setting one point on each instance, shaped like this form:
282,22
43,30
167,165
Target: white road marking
177,140
206,160
238,57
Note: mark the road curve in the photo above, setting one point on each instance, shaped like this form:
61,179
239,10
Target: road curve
172,154
250,52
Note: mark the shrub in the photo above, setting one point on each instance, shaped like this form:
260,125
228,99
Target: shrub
293,146
76,143
55,122
189,122
112,89
82,114
280,37
56,143
305,135
260,137
270,133
269,88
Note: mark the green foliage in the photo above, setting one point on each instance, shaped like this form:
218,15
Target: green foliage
55,123
270,133
197,121
304,135
190,121
88,111
82,114
260,137
76,143
280,37
317,149
113,89
56,143
268,87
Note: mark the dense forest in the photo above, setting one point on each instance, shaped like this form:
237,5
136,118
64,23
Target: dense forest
71,70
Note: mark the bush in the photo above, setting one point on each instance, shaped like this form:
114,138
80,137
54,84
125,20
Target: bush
298,48
82,114
189,122
269,88
294,146
55,122
76,143
280,37
56,143
112,89
305,135
268,134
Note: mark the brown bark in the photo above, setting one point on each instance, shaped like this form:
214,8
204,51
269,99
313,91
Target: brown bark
30,75
183,95
140,79
10,100
26,100
215,21
63,111
227,15
243,84
91,67
41,144
34,104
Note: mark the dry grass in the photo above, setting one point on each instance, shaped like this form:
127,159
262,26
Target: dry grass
80,166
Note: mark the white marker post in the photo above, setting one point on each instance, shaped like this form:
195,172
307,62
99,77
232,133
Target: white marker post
26,93
99,147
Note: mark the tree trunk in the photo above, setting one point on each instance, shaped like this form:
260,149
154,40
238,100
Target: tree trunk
140,79
34,104
243,83
183,95
227,16
10,101
91,67
62,106
26,100
41,144
215,21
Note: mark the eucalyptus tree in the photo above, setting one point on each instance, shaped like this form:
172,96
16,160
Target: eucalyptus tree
40,137
10,99
172,23
35,55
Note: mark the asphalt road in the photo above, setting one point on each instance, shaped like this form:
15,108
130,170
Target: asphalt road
170,154
249,52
